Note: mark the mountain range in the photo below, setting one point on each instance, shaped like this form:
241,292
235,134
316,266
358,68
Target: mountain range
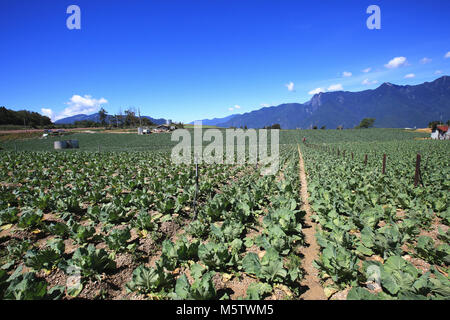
216,121
393,106
96,118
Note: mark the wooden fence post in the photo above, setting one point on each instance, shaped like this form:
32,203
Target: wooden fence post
365,159
384,163
416,177
196,188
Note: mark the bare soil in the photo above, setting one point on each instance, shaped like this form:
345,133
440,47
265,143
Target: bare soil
310,251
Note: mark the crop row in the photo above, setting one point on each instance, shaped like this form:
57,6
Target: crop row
120,225
381,236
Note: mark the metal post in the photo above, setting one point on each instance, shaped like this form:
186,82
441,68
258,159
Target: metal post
416,177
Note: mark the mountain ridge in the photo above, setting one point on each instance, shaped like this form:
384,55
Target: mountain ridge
393,106
96,118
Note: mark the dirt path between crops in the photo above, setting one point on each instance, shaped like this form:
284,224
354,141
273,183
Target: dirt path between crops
310,250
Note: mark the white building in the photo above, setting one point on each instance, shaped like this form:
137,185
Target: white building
441,133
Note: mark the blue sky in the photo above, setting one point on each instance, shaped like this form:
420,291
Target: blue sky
188,60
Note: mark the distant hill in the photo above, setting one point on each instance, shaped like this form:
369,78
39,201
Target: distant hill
79,117
393,106
96,118
215,121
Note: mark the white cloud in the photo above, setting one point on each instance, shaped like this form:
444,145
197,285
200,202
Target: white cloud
81,105
316,91
368,82
410,75
290,86
438,72
447,55
48,112
425,60
264,105
237,107
231,109
367,70
396,62
335,87
346,74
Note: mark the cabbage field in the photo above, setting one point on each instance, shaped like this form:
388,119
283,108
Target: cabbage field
117,220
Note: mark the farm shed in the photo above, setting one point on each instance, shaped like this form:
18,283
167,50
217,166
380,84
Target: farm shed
441,133
164,128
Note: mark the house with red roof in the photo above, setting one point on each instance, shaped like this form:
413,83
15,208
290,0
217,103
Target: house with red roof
441,133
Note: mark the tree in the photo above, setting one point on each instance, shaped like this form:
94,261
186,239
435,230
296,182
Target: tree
130,117
433,125
146,122
23,117
315,128
102,116
276,126
366,123
119,118
179,125
323,127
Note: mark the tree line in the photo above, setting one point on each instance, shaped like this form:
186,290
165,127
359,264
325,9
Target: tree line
23,118
434,124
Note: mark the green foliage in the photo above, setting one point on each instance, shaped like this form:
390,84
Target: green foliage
229,231
214,255
201,289
43,259
143,221
361,213
366,123
23,286
179,252
92,261
386,241
269,268
198,229
257,290
30,218
17,248
8,215
340,264
401,280
23,117
148,280
80,233
117,239
439,255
